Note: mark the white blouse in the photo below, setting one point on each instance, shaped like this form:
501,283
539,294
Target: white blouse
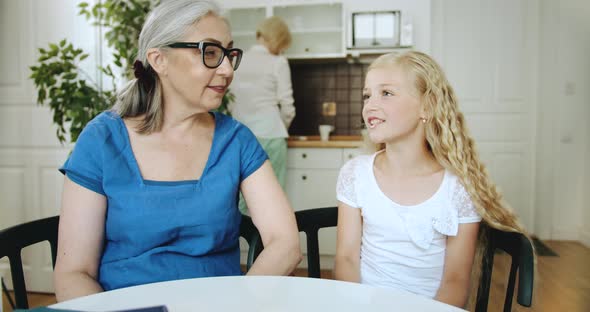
263,93
403,247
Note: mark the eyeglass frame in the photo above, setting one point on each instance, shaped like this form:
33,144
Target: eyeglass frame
202,45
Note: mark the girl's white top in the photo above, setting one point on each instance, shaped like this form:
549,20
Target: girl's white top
403,247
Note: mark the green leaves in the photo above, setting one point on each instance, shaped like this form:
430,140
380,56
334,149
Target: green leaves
59,85
70,92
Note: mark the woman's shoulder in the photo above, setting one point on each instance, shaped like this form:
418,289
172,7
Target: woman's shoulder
232,129
103,124
107,128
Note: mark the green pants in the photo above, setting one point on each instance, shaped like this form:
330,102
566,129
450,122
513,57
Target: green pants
276,149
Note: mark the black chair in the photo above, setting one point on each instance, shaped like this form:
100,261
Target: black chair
249,232
13,240
311,221
520,248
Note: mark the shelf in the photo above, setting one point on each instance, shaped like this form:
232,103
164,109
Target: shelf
244,34
316,30
315,55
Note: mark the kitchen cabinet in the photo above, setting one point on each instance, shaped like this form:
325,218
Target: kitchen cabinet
243,23
311,183
317,29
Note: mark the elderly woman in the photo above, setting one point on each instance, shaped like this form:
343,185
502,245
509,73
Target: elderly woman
151,187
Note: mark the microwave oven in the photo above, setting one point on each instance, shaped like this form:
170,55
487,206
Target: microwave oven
379,30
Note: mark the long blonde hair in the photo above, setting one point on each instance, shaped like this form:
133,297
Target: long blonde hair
449,141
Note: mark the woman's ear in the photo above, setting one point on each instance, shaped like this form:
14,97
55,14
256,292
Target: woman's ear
158,61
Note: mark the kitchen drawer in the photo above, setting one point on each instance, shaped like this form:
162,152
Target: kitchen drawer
350,153
314,158
311,188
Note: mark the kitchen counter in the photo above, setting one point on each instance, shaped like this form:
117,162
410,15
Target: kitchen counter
336,141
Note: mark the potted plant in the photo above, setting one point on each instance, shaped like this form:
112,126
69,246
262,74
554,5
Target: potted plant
73,97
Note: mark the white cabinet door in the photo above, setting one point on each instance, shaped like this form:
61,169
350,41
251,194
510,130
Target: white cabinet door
317,29
311,188
30,154
350,153
243,22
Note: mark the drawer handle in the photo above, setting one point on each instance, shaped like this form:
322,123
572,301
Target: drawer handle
304,177
304,155
350,156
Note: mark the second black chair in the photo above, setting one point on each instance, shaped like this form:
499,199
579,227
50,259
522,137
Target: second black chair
311,221
520,249
12,242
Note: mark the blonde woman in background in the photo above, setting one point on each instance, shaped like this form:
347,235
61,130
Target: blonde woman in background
263,93
413,215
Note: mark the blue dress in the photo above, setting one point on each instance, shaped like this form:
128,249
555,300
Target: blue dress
159,231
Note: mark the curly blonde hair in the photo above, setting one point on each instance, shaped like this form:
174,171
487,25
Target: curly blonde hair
449,141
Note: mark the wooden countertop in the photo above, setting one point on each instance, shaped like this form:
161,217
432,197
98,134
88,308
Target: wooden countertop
336,141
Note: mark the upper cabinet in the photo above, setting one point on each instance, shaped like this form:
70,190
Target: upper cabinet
243,25
317,30
324,29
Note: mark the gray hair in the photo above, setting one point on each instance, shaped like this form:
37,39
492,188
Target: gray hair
167,23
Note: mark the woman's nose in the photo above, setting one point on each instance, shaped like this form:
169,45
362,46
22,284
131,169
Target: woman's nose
225,68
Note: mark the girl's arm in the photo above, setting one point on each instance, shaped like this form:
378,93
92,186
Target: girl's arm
348,244
80,239
455,284
273,217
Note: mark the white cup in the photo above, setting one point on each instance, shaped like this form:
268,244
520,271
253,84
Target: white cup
325,132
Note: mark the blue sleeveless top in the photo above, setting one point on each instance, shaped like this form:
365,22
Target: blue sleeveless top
156,230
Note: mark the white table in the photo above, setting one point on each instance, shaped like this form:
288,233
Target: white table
256,293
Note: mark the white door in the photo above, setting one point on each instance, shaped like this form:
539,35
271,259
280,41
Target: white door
30,185
489,52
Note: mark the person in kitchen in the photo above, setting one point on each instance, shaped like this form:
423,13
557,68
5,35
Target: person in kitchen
151,187
264,95
413,215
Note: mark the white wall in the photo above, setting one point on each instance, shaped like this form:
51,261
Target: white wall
30,185
563,133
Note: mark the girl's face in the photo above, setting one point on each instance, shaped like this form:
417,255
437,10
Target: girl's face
391,106
190,81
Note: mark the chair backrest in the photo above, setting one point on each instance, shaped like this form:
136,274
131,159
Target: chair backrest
14,239
249,232
520,249
311,221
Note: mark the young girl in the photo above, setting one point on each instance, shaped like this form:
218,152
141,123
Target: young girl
409,215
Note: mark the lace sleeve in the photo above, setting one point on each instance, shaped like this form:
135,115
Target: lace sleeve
345,187
465,207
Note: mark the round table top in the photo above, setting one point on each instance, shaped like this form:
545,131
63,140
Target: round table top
256,293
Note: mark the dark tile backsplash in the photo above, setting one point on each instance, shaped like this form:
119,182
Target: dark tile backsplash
316,83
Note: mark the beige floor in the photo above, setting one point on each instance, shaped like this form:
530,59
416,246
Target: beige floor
563,283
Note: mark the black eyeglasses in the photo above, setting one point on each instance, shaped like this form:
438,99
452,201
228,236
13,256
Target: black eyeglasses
212,53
